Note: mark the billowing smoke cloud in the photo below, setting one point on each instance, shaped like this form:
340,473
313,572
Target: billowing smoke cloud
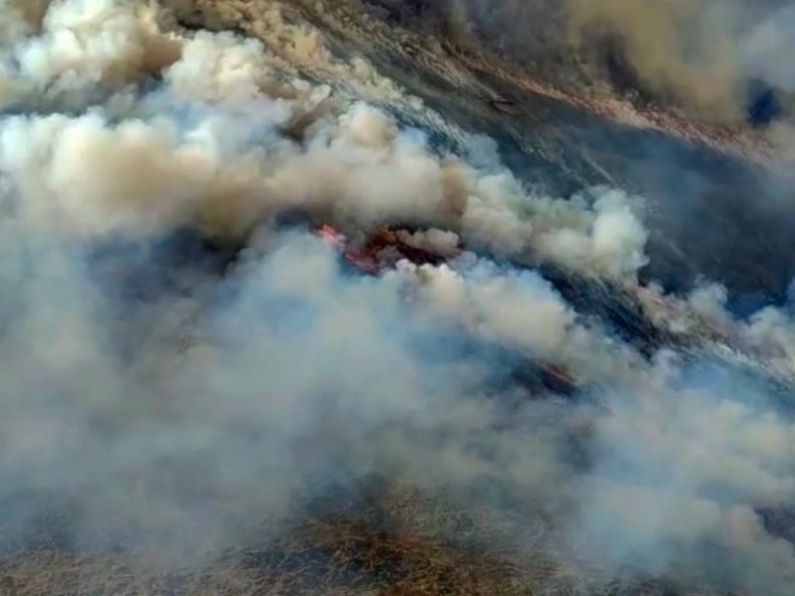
178,395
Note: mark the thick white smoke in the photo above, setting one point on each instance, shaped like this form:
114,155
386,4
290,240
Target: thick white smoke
169,159
168,397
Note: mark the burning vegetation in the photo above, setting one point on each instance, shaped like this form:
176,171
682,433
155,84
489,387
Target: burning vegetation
384,248
483,368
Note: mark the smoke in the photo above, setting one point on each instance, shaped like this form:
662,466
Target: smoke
704,58
709,56
179,396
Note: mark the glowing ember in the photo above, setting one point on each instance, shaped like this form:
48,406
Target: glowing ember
332,237
381,250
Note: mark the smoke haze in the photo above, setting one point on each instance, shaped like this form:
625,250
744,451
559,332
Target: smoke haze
704,57
183,357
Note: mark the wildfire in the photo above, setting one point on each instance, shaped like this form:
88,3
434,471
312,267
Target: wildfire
385,247
379,251
332,237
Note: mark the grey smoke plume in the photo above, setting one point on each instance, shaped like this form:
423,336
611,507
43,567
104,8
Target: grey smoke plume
176,400
700,57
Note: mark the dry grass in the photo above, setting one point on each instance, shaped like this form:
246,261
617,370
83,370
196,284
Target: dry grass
395,543
385,541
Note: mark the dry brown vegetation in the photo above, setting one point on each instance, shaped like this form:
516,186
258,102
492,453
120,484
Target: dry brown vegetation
389,541
399,543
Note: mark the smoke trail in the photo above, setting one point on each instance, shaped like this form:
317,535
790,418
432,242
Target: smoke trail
705,57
